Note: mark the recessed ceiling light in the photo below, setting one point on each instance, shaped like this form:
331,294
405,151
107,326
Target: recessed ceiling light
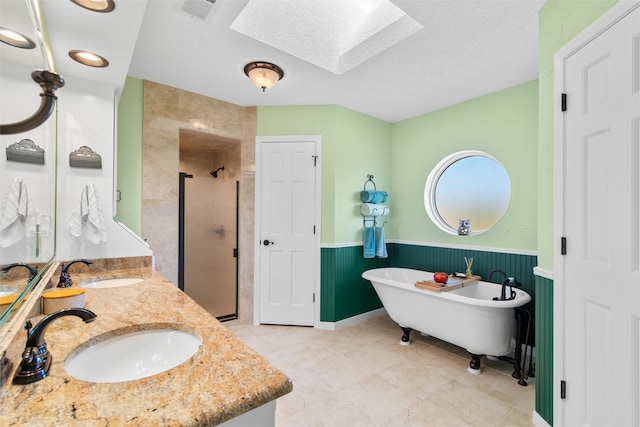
88,58
200,123
102,6
16,39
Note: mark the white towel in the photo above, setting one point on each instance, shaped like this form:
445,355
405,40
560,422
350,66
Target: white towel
374,209
87,216
16,209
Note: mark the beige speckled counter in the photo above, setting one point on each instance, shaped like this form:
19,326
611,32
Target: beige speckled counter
224,379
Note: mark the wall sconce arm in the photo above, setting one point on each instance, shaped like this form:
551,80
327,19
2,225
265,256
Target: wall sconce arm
49,81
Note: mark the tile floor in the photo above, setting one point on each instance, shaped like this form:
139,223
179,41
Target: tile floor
361,376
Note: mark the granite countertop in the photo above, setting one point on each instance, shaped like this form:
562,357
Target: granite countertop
224,379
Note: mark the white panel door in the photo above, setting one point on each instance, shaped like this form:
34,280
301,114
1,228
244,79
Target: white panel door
602,225
287,232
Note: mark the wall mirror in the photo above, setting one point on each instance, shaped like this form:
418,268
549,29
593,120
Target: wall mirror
27,182
467,193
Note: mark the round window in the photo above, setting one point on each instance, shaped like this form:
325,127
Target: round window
467,193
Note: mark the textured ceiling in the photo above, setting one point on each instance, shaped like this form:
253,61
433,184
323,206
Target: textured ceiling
440,53
336,35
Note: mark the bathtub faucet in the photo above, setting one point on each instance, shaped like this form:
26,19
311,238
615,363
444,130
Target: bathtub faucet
492,272
510,282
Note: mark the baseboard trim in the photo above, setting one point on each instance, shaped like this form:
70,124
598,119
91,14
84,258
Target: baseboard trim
436,245
538,421
350,321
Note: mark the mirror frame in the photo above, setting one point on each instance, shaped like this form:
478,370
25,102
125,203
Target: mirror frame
42,40
432,183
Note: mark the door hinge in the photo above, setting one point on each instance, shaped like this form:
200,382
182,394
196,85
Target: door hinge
235,252
563,102
315,160
563,245
314,229
314,297
563,389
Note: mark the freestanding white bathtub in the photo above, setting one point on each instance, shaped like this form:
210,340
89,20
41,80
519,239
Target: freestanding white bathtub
468,317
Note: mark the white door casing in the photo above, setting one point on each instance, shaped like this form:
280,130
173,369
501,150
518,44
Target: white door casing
597,209
287,232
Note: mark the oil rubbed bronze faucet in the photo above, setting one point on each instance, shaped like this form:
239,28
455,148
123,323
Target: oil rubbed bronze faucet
65,277
507,282
497,270
32,270
36,359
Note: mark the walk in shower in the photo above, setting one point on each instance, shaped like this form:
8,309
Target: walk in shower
208,229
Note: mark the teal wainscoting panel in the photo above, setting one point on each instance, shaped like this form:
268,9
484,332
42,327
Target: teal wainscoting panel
544,348
344,292
450,260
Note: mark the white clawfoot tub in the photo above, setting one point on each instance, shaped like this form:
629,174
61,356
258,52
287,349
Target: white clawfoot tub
468,317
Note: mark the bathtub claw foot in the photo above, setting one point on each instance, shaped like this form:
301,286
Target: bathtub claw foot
406,336
474,364
474,371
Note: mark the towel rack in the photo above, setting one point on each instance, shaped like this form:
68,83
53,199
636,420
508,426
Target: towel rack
364,187
373,207
371,220
369,179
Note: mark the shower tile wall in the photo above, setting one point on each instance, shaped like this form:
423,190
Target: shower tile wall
166,111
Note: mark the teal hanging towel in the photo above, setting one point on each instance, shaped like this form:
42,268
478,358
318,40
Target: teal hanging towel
369,242
381,244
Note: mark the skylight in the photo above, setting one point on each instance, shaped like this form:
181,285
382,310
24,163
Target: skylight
336,35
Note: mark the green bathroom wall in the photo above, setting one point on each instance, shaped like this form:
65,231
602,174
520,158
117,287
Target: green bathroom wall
129,159
308,120
353,145
559,21
364,148
503,124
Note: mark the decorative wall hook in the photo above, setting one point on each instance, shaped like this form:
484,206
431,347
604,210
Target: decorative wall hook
85,157
25,151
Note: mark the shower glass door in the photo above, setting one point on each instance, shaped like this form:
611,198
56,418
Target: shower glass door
209,228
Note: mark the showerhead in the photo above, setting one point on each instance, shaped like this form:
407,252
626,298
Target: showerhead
215,172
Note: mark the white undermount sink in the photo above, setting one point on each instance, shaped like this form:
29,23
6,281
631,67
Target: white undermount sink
8,290
111,283
132,356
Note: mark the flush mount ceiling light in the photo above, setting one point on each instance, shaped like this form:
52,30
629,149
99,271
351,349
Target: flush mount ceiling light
102,6
16,39
88,58
264,75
